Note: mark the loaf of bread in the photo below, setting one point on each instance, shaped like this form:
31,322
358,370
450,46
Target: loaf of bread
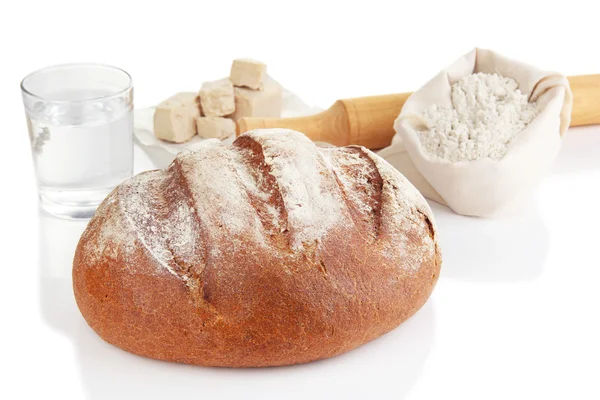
268,252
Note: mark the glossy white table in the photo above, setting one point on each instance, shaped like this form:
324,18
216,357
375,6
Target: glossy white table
515,314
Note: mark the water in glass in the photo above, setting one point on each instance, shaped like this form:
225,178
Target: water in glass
81,151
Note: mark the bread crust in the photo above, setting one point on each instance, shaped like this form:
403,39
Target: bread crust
270,252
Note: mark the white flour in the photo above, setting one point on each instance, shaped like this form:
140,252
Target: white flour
488,112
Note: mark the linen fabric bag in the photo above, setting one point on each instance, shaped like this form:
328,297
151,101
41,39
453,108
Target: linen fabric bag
484,186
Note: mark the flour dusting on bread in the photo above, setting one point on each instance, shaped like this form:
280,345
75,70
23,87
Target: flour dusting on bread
222,203
407,217
116,238
313,202
217,198
163,221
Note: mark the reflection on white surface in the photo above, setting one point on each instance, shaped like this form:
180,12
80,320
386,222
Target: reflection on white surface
110,373
580,151
58,240
481,249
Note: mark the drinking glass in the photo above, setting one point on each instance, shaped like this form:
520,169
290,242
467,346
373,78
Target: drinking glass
80,122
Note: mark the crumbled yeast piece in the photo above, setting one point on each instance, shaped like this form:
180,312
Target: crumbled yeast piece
217,98
174,118
249,73
265,103
215,127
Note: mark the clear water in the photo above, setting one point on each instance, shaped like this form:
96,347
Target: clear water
80,151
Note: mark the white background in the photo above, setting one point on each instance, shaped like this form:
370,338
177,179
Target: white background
516,310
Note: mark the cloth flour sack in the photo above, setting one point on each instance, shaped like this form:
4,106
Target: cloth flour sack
482,187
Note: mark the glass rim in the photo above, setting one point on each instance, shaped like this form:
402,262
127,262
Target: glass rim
59,66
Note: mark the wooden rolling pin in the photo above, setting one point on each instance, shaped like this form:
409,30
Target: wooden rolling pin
368,121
